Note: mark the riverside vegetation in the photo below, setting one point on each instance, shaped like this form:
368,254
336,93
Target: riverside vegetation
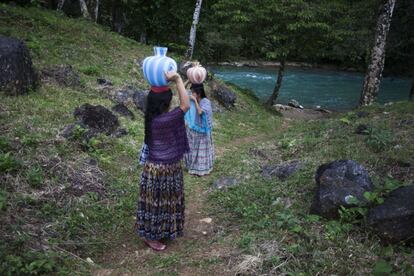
260,226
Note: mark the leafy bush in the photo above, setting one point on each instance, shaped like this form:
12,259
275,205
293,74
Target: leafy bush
8,163
35,176
91,70
3,200
4,145
27,264
380,139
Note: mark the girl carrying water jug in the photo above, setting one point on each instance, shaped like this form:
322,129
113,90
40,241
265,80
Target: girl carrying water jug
199,122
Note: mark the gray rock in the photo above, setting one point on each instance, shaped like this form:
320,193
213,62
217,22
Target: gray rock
362,114
323,110
294,103
68,131
17,75
123,110
183,67
222,94
363,129
104,82
393,220
96,118
225,182
337,183
140,99
62,75
122,96
405,123
281,171
216,108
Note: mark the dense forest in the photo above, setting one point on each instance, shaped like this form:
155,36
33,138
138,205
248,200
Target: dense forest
338,32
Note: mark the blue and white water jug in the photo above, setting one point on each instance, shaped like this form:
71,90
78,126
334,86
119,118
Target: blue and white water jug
155,67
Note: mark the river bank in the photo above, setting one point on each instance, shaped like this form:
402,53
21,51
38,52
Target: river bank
296,64
311,87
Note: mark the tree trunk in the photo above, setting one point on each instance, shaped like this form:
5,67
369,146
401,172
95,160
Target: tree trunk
191,41
84,9
412,90
117,17
374,73
60,5
276,90
143,37
96,10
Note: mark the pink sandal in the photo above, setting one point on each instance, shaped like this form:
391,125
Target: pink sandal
155,245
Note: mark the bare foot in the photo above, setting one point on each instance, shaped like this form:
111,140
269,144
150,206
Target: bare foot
155,245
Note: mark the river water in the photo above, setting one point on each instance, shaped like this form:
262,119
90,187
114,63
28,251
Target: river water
312,87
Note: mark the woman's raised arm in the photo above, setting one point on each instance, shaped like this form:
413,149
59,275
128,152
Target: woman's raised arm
182,94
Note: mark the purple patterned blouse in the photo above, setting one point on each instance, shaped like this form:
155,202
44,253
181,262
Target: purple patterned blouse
168,138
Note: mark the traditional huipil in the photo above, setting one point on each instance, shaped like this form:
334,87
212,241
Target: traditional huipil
161,202
200,159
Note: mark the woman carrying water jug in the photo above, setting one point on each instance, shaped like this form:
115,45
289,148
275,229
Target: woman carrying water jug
160,214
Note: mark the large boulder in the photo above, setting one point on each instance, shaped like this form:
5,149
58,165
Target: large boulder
222,94
62,75
97,118
393,220
17,75
340,183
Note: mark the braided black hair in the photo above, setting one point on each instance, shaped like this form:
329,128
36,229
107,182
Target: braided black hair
157,103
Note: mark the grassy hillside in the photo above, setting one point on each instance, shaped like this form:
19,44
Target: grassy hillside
46,227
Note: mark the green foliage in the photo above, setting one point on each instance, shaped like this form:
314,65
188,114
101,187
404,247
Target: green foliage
35,176
380,139
382,268
91,70
8,163
4,145
3,200
28,264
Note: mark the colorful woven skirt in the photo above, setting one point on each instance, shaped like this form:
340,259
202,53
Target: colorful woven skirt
200,159
160,212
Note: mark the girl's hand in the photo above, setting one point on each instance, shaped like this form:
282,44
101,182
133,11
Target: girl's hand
172,76
193,98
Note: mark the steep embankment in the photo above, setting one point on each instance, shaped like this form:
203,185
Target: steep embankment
69,205
64,201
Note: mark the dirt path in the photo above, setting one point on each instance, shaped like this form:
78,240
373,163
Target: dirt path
200,252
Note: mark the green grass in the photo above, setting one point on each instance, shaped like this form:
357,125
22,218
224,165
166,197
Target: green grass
307,244
55,233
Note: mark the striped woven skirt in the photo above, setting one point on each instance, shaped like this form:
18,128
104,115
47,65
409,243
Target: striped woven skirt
200,159
160,212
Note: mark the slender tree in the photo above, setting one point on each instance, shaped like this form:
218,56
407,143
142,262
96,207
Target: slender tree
84,9
376,66
96,10
191,41
60,4
291,26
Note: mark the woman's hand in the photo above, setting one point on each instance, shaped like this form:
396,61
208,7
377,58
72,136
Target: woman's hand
172,76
